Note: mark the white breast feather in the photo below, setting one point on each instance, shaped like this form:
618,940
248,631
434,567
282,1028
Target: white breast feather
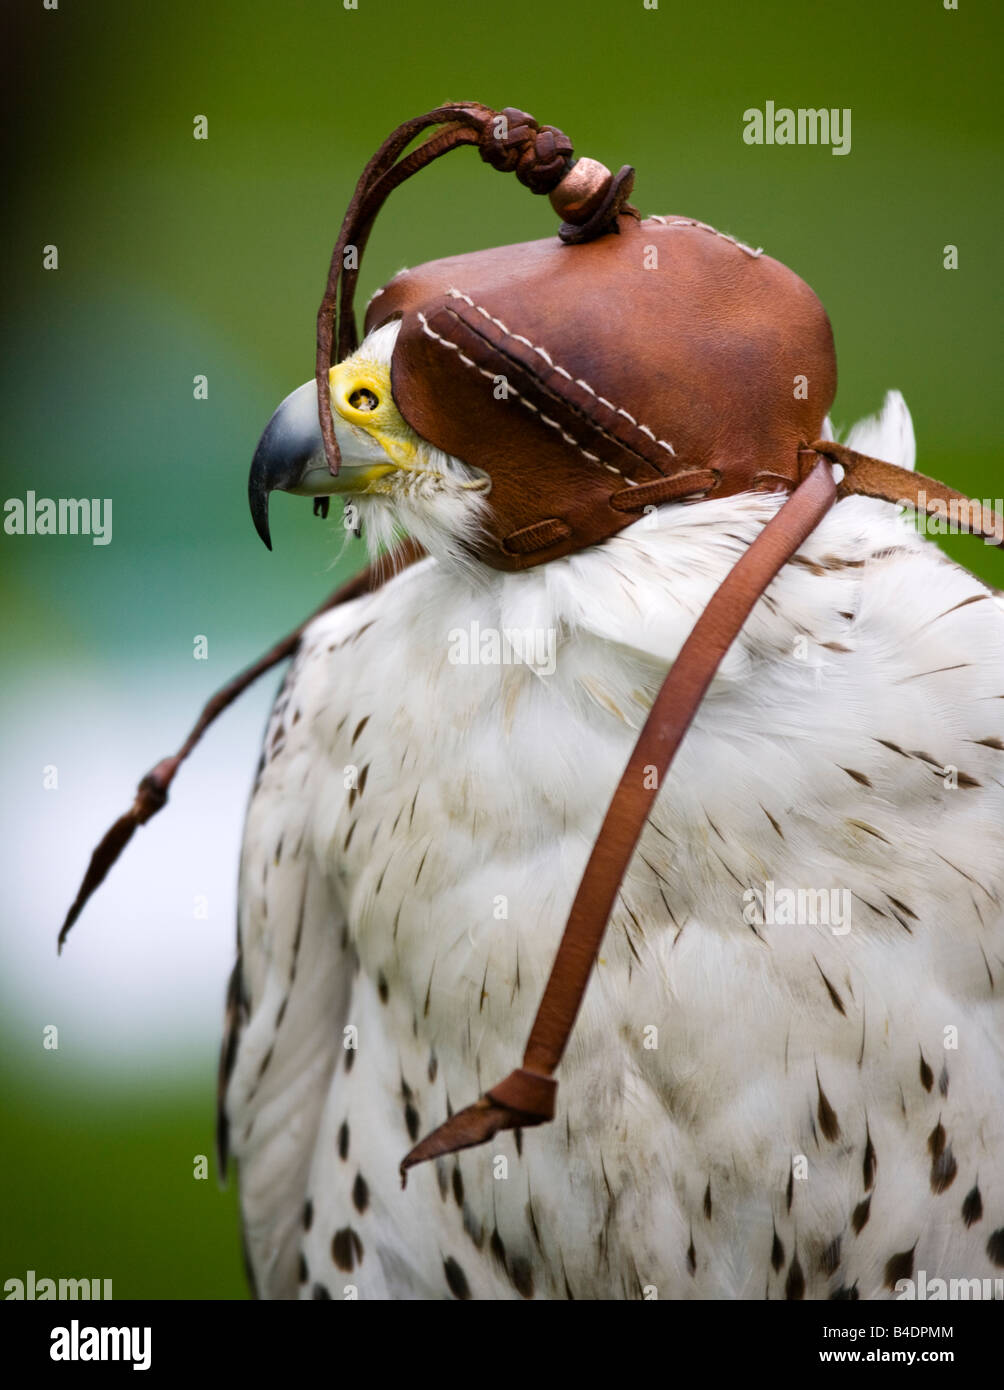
851,741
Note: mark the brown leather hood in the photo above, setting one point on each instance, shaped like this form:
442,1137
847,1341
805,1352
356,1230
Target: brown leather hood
592,380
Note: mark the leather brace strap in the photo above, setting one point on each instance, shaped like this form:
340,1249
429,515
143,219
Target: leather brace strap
869,477
527,1095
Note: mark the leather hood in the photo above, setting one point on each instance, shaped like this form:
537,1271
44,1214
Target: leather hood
589,381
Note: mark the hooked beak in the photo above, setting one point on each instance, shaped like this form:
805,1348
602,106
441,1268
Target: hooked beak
290,457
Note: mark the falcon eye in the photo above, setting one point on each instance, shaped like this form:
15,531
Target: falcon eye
363,399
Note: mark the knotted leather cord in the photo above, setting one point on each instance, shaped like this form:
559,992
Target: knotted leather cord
539,156
464,123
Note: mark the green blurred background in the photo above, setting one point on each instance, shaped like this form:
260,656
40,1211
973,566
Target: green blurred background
180,257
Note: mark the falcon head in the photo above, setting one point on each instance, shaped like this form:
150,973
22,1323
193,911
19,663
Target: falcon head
392,480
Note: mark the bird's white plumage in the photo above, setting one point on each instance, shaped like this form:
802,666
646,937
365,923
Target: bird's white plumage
800,1117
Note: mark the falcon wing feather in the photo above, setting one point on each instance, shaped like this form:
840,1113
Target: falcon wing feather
288,996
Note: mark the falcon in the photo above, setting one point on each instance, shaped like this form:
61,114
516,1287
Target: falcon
749,1108
679,752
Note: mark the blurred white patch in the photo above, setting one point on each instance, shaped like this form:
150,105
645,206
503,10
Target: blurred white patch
141,980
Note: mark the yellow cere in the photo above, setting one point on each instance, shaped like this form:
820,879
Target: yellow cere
360,392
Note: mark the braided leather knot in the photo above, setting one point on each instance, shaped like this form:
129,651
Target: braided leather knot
585,195
539,156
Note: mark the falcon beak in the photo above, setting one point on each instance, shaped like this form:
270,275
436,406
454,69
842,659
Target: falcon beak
290,457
